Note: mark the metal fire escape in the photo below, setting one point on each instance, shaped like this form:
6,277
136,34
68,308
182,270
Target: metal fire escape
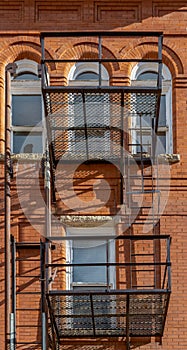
137,305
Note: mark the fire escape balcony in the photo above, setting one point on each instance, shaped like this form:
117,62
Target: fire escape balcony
97,123
86,122
135,304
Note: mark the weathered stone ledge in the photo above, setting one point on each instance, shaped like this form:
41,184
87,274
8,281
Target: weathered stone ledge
87,220
170,157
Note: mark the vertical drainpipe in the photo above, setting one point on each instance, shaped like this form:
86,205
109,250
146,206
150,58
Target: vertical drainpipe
10,69
7,164
13,301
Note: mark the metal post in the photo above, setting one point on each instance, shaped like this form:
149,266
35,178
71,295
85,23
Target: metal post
154,140
159,81
43,67
12,331
160,43
13,263
100,57
92,310
13,306
122,164
169,262
85,125
44,333
141,154
43,290
127,323
7,200
47,181
131,266
107,266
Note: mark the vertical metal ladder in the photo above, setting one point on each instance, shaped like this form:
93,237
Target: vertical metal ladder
26,295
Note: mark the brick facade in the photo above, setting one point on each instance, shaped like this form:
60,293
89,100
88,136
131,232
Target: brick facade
20,25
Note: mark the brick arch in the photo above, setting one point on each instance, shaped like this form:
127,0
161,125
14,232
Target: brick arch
85,50
172,60
149,50
20,49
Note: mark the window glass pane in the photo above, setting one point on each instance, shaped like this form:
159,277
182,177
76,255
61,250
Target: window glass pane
144,121
148,76
27,76
87,76
25,142
26,110
145,142
162,113
97,110
161,143
92,274
78,111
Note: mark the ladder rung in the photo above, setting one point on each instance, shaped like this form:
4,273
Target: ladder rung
26,259
28,342
142,223
144,286
143,192
28,326
138,207
141,177
138,254
27,245
28,293
27,309
27,276
30,245
141,270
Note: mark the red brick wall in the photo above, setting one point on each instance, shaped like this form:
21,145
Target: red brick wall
20,24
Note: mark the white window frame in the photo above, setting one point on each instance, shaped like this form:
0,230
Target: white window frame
90,232
166,90
27,87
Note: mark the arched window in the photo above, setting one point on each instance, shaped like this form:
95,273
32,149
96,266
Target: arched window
27,110
145,74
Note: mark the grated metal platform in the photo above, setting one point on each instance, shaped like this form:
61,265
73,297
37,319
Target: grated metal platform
115,313
85,124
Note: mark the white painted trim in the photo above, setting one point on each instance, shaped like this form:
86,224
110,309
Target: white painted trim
20,87
26,65
83,67
144,67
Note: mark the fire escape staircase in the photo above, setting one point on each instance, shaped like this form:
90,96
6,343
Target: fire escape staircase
139,307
